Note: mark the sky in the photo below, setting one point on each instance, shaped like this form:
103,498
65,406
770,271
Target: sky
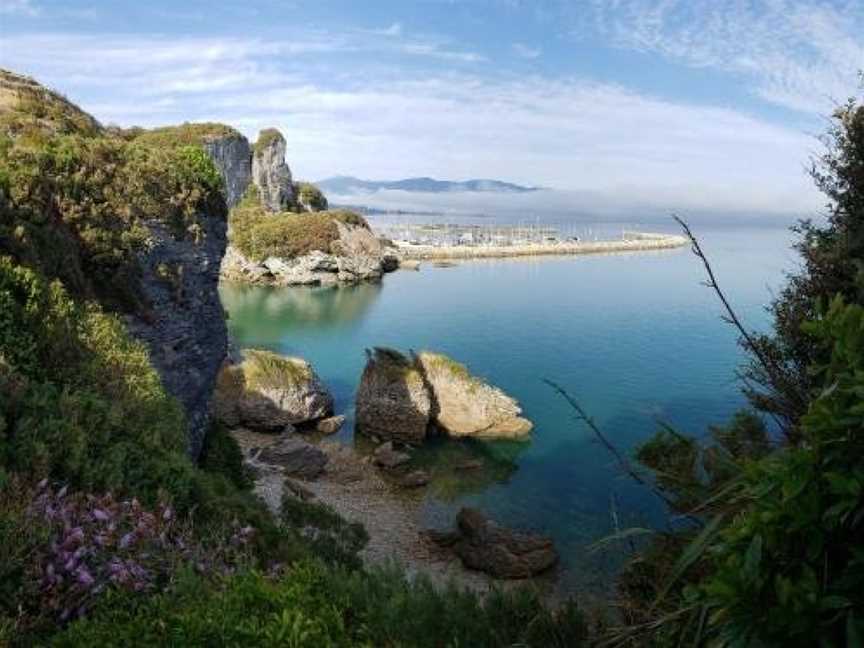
679,104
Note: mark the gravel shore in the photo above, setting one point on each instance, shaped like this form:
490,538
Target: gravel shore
360,493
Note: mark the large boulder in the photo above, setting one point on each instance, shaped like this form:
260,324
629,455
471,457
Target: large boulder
271,173
468,406
294,457
501,552
402,399
393,401
270,392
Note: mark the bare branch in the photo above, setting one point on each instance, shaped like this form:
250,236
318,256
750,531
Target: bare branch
771,368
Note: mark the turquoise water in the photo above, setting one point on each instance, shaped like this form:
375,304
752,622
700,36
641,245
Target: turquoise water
633,337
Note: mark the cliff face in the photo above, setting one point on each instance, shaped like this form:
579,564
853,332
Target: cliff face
271,174
232,155
184,325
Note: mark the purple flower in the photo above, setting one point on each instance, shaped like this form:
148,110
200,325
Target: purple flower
84,577
99,514
127,540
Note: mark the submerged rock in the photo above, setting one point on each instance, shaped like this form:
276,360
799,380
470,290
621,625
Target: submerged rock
386,456
393,401
415,479
403,398
501,552
270,392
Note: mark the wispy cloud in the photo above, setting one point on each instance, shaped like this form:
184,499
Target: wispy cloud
19,8
393,30
800,55
601,139
526,51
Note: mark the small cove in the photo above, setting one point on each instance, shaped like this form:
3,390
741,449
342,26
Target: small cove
633,337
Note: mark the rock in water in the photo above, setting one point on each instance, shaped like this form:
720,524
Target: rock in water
296,457
386,456
330,425
393,402
270,392
467,406
503,553
270,173
415,479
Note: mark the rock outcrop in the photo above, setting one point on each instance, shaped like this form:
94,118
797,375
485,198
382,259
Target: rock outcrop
407,399
270,392
184,324
503,553
356,256
270,172
468,406
232,155
393,401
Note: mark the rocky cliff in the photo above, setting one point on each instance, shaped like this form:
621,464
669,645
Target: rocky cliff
184,323
271,173
120,236
232,155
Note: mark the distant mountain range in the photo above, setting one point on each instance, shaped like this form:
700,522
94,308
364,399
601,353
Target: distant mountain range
346,185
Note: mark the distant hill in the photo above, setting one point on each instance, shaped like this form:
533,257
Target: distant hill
345,185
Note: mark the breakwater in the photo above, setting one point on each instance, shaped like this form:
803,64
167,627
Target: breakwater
629,242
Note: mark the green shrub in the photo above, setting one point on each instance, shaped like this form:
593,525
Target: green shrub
187,134
265,138
310,195
75,208
222,455
325,532
315,605
259,234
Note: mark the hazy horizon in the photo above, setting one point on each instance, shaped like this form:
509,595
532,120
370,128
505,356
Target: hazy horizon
688,105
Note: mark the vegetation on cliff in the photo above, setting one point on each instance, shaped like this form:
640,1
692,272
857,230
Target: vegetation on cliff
259,234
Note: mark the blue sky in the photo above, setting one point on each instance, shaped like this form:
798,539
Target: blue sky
679,103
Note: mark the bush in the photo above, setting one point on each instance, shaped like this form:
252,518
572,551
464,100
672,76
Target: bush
259,234
325,532
310,197
221,455
315,605
75,208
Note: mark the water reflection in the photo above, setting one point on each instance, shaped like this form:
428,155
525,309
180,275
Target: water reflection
265,314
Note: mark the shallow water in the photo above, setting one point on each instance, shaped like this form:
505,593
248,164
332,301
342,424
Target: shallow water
633,337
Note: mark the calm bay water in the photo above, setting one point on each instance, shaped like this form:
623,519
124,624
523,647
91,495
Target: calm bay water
633,337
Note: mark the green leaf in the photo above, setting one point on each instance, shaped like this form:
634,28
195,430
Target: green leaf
753,557
690,555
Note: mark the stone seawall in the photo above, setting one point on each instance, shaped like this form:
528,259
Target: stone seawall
636,242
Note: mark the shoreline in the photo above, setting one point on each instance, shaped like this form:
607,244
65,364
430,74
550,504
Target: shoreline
637,242
360,492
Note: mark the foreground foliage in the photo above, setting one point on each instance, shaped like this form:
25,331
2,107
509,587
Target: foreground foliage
314,605
773,550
